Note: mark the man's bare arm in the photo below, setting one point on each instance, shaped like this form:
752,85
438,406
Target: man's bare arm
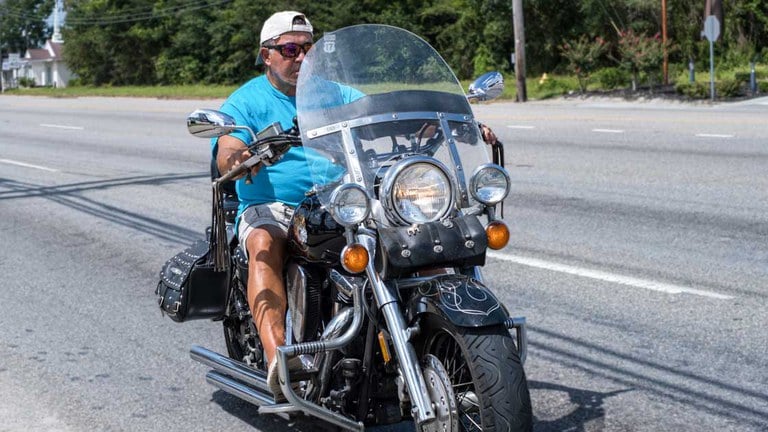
231,152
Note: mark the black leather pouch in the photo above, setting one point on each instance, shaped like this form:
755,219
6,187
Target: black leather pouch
457,242
190,287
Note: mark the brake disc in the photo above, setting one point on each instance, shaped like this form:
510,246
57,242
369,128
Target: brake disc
442,397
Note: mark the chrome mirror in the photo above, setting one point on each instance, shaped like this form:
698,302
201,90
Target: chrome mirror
488,86
208,123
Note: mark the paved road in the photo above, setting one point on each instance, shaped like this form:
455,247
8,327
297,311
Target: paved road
639,256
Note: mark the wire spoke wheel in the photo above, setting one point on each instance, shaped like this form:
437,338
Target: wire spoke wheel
240,333
483,372
468,408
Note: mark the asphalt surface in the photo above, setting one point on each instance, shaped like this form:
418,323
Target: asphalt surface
639,257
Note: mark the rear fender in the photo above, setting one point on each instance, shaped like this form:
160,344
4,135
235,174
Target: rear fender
462,300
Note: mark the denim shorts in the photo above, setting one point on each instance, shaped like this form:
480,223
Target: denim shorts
276,214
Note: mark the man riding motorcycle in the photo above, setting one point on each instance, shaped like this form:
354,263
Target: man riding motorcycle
268,194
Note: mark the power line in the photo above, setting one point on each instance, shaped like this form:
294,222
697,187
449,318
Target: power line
145,14
134,15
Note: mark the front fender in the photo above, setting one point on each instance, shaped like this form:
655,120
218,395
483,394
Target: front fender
462,300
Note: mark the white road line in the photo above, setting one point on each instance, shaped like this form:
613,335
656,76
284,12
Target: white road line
520,127
616,131
608,277
714,135
26,165
62,126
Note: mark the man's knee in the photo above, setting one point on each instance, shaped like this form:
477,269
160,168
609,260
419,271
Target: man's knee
266,244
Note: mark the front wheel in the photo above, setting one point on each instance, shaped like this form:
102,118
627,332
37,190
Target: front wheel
484,372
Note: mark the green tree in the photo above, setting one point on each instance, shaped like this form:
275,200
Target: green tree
22,24
215,41
113,42
746,31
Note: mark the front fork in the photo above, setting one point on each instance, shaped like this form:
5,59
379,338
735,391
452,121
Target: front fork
410,367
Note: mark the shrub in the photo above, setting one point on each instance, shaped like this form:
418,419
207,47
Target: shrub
26,82
743,76
612,78
552,87
75,82
640,53
728,88
763,86
583,55
695,90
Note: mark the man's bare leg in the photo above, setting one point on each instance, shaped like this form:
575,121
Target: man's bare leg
266,290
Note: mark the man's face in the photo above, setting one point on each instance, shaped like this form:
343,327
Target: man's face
284,69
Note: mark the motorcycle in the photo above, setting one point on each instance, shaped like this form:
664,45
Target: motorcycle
387,309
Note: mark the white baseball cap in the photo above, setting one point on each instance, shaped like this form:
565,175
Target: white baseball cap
283,22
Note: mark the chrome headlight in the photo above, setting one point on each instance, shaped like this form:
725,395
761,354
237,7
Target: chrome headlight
489,184
349,204
417,190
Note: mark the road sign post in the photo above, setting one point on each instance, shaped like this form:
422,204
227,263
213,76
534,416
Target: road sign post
711,32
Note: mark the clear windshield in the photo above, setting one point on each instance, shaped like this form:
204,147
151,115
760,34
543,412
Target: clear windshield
370,95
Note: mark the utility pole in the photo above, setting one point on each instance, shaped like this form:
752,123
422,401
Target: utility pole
664,40
518,23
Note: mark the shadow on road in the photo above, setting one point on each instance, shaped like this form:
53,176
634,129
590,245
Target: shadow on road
69,195
589,407
714,395
249,415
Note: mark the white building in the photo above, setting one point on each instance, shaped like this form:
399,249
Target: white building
46,65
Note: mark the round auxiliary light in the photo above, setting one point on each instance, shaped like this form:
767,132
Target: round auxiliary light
349,204
354,258
417,190
498,234
489,184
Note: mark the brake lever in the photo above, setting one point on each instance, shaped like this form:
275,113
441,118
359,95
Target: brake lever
239,169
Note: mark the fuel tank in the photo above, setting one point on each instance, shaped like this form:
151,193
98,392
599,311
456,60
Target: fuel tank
313,235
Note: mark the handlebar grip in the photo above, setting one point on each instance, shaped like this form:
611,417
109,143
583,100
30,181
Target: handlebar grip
236,171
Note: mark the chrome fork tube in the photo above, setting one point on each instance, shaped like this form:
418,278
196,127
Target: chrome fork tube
407,358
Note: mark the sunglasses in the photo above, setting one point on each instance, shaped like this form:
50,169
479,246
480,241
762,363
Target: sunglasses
290,49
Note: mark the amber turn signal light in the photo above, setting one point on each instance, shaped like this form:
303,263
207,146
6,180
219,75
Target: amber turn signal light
498,234
384,347
354,258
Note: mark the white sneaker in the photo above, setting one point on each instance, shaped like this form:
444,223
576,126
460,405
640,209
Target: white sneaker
294,365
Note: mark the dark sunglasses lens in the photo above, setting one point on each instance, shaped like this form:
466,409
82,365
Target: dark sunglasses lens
291,50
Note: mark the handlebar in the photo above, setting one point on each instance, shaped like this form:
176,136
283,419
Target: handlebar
268,151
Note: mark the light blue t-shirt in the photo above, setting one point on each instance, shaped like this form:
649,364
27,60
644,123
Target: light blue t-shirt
257,104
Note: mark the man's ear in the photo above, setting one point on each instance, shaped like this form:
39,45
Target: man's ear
264,52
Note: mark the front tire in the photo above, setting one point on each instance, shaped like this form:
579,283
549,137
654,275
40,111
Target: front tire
485,372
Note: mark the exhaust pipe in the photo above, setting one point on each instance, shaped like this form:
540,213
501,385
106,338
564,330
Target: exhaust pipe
227,366
238,389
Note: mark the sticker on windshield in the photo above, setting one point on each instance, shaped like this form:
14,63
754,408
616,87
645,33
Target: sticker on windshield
329,43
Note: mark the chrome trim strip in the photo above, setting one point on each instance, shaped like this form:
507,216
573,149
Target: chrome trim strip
381,118
461,180
350,153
